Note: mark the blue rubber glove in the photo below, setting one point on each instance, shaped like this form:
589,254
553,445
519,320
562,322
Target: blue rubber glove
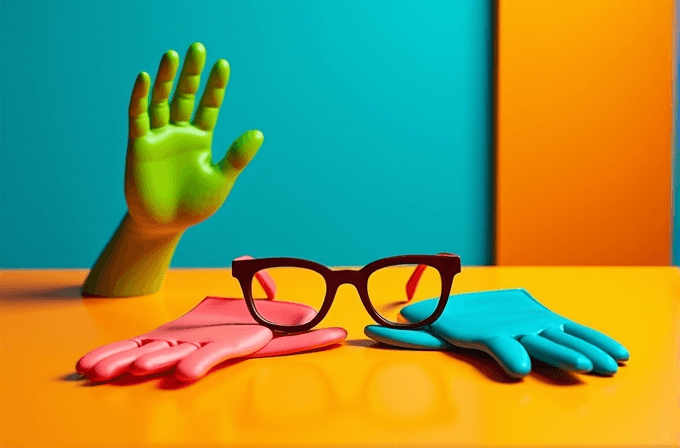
511,326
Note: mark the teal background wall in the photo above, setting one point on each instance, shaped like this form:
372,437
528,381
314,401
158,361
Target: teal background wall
393,98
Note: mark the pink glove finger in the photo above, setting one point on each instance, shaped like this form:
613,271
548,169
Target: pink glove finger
119,363
242,341
160,360
87,362
297,343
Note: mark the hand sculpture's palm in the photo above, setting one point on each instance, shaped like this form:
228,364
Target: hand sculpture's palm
170,180
510,325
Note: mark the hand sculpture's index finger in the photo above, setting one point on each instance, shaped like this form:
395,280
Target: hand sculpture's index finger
139,119
183,101
167,69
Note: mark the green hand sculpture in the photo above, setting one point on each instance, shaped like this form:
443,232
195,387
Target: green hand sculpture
170,180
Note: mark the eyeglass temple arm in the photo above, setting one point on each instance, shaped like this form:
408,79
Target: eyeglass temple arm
264,279
412,283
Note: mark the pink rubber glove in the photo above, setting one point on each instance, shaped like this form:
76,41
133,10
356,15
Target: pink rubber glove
216,330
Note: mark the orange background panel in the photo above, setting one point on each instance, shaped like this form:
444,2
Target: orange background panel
584,132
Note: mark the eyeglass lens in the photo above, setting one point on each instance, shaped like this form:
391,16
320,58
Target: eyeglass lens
293,284
387,289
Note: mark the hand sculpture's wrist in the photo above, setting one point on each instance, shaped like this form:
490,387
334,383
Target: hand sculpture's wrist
133,263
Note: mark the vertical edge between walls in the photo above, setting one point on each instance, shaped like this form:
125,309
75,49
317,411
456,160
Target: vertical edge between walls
493,128
675,195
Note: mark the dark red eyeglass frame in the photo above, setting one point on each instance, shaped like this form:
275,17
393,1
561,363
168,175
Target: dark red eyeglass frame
244,270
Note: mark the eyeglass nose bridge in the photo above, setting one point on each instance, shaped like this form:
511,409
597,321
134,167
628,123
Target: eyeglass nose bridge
347,277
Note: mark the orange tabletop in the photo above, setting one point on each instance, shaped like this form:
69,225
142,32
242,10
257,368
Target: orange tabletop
357,394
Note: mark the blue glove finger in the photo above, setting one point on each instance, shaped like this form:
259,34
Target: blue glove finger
418,339
555,354
599,340
602,362
420,310
510,354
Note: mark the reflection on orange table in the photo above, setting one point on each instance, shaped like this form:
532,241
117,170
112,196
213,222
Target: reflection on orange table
356,394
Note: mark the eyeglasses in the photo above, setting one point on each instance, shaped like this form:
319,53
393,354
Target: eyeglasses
380,285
